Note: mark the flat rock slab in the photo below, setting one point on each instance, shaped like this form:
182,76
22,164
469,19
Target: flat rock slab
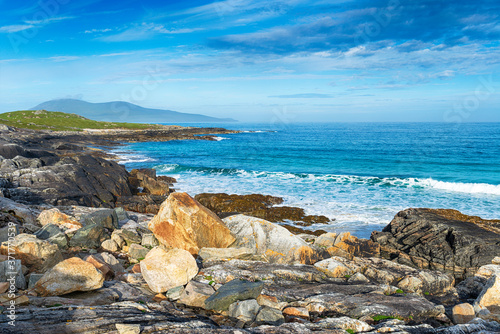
231,292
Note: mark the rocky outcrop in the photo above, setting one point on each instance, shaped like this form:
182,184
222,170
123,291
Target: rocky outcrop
259,206
270,240
184,223
444,240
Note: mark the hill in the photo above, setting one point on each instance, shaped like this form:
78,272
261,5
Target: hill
59,121
125,112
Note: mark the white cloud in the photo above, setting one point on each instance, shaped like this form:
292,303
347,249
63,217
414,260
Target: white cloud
15,28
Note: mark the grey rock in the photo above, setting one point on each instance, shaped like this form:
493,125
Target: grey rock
121,214
12,269
269,316
176,293
195,294
106,218
244,310
233,291
61,240
137,251
48,231
90,236
149,240
33,279
7,231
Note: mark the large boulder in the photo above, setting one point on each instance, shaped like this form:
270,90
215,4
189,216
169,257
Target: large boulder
18,210
106,218
184,223
164,270
439,239
274,242
70,275
90,236
38,255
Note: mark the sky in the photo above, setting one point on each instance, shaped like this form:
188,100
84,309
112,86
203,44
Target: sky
259,60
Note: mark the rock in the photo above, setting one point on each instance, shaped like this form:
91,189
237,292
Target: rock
12,269
439,239
106,218
176,293
61,240
345,323
164,270
358,278
4,286
333,268
274,242
496,260
146,179
56,217
347,245
137,251
17,209
110,246
490,296
259,206
128,328
195,294
245,310
103,267
325,240
111,261
215,254
149,240
121,214
33,279
271,302
117,238
70,275
48,231
299,312
184,223
231,292
269,316
90,236
37,255
129,236
463,313
11,230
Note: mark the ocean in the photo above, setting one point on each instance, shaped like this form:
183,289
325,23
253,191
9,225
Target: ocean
359,174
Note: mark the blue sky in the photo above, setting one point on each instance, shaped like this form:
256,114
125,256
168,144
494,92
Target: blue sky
259,60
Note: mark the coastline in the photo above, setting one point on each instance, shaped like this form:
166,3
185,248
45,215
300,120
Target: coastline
369,284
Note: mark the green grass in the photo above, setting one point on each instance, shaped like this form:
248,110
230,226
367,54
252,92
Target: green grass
380,317
59,121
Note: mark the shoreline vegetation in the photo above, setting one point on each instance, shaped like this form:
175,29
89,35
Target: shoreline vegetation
90,247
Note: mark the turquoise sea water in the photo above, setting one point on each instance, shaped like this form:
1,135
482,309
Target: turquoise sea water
360,174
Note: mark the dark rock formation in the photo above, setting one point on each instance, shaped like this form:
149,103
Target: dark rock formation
256,205
444,240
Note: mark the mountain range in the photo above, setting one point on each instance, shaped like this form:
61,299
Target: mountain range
119,111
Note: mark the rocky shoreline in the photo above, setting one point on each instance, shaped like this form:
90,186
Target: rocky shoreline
89,247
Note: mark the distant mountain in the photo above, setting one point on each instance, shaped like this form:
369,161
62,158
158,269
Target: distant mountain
119,111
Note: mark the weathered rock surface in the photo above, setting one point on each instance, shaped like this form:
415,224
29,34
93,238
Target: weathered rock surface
90,236
231,292
463,313
195,294
38,255
56,217
490,295
272,241
444,240
164,270
70,275
184,223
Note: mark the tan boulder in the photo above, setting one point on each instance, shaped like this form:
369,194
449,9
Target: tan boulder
195,294
490,296
70,275
333,268
36,254
463,313
164,270
184,223
56,217
105,269
270,240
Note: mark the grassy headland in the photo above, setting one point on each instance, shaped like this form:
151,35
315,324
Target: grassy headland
59,121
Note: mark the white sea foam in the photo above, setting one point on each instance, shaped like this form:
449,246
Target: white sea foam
470,188
220,138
